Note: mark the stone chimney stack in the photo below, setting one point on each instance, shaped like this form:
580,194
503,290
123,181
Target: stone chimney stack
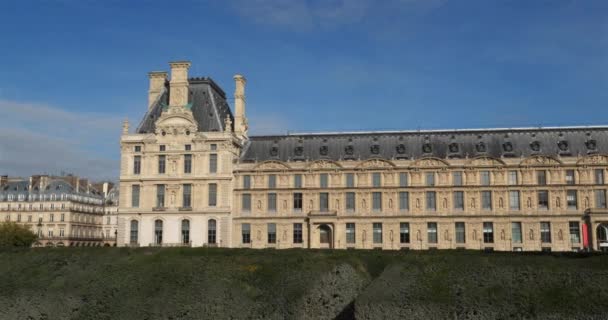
240,121
157,83
178,94
44,181
3,181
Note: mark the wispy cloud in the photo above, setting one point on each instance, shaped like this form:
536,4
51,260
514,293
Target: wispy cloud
306,15
37,138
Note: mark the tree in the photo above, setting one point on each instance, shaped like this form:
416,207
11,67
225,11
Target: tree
15,235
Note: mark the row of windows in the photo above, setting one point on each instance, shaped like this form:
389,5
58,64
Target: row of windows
187,147
185,232
162,164
431,200
29,218
49,197
430,177
186,195
432,232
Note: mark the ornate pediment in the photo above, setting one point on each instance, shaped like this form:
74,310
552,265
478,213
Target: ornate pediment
272,165
593,160
539,161
176,120
485,161
324,164
429,163
376,163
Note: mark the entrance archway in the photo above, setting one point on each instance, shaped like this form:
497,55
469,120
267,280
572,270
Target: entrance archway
602,237
325,236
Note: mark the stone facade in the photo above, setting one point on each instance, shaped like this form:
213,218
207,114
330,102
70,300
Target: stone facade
190,175
61,211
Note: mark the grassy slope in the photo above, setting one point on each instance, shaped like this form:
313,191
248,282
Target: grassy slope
109,283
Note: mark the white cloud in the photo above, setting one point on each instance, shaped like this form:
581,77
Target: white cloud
37,138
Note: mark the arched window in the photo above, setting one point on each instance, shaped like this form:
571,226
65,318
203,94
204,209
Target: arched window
158,232
134,231
185,231
211,235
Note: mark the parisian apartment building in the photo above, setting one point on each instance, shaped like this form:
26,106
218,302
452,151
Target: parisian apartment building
190,175
61,210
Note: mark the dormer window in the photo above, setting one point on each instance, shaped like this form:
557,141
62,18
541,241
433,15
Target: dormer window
375,149
507,147
349,150
563,145
591,145
480,147
299,150
535,146
400,149
274,151
427,148
324,150
453,147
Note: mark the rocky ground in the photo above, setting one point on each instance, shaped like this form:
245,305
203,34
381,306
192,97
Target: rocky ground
206,283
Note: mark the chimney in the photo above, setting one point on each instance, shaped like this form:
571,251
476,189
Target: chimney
178,95
3,181
240,121
157,83
44,181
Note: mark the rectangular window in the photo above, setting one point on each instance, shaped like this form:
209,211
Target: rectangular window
541,177
297,181
272,181
188,147
514,200
431,229
543,200
404,232
272,202
297,233
513,178
488,232
187,163
545,232
377,201
212,194
484,178
350,201
52,217
516,236
213,147
431,200
575,232
324,201
135,196
350,233
404,201
403,180
137,165
137,149
247,182
160,196
272,233
457,178
29,218
187,196
297,202
376,179
430,179
162,147
246,202
486,200
599,176
600,198
161,164
569,176
213,163
460,232
323,180
246,233
62,219
350,180
458,200
571,199
377,232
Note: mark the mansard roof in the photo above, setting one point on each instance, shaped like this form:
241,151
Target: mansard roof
208,104
56,186
443,144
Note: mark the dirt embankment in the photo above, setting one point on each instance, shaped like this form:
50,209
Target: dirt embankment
109,283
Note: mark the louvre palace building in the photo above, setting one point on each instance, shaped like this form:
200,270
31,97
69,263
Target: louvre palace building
191,175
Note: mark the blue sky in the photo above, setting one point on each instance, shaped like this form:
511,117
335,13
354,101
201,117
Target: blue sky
73,70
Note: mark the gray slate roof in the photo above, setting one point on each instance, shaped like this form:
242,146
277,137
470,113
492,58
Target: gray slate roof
209,106
556,141
55,187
